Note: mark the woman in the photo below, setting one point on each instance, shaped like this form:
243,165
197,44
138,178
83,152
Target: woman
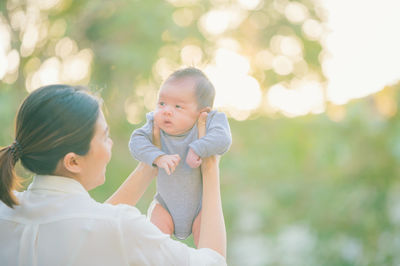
62,137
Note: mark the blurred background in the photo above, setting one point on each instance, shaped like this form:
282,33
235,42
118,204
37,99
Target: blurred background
311,89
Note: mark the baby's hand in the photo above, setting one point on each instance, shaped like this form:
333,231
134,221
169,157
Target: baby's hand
168,162
192,159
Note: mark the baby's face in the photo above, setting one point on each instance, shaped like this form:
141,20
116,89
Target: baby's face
177,109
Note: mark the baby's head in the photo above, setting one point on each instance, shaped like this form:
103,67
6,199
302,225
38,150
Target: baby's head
182,97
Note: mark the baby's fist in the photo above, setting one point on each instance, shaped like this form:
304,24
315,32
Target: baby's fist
167,162
192,159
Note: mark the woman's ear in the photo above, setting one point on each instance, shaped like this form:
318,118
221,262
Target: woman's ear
71,163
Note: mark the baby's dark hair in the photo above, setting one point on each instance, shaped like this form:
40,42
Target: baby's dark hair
204,89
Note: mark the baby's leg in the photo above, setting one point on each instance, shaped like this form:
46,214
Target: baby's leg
196,229
162,219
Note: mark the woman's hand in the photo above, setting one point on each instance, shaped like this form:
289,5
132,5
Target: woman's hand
201,124
212,225
137,182
156,135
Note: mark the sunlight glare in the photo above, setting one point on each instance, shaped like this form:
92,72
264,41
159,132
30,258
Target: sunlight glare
164,67
77,67
217,21
45,4
48,73
13,61
312,29
306,97
18,19
3,65
250,4
291,46
5,37
29,40
65,47
191,55
282,65
365,54
236,91
229,44
232,62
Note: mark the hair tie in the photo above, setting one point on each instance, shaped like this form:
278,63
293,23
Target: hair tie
16,150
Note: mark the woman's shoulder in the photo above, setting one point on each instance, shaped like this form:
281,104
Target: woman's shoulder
110,211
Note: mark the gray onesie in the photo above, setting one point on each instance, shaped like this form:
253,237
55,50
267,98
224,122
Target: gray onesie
180,193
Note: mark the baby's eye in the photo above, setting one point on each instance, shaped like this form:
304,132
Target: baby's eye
178,106
161,103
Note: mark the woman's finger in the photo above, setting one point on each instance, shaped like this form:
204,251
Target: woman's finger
156,135
201,124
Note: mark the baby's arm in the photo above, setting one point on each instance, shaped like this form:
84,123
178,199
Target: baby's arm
140,144
217,140
144,150
192,159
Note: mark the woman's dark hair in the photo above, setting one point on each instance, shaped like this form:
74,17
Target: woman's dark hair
51,122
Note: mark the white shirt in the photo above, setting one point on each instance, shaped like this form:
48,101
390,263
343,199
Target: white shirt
58,223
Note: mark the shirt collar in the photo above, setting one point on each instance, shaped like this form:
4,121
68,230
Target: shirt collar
57,183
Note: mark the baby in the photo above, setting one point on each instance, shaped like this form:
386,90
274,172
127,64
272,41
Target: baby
182,98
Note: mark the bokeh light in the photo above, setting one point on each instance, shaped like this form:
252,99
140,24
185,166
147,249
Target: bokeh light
296,12
183,17
303,97
191,55
282,65
250,4
312,29
237,92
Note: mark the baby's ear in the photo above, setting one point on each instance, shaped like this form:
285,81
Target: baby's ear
205,109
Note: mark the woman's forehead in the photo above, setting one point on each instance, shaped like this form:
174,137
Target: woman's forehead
101,121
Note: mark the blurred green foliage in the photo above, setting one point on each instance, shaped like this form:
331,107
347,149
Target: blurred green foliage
313,190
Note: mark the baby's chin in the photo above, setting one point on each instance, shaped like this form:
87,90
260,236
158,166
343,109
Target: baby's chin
173,131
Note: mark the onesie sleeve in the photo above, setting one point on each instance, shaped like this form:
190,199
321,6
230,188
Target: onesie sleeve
218,136
140,144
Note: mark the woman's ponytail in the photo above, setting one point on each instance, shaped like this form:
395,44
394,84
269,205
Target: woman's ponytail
51,122
8,179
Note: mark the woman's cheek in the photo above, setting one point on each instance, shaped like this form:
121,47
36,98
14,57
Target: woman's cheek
109,150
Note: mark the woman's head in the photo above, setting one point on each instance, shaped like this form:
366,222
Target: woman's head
55,126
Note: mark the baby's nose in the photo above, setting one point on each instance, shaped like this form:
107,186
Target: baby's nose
167,110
